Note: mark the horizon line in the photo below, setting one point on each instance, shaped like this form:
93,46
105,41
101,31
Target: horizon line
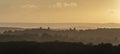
56,22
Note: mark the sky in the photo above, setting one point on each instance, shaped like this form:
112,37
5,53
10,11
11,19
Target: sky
60,11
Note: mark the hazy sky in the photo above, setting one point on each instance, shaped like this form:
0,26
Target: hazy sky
60,11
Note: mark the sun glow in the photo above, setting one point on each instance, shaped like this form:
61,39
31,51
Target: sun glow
59,11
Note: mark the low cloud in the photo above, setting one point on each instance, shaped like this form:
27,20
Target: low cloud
29,6
64,5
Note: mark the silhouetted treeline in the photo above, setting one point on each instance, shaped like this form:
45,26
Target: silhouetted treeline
96,36
56,48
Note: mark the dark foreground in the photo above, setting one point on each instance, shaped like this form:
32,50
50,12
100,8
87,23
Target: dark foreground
56,48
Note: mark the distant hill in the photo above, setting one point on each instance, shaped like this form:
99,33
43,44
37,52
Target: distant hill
95,36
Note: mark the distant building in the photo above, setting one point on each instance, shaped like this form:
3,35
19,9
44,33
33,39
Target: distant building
48,28
40,27
74,28
70,29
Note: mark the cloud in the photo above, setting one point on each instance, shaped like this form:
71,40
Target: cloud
64,5
113,11
29,6
72,4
